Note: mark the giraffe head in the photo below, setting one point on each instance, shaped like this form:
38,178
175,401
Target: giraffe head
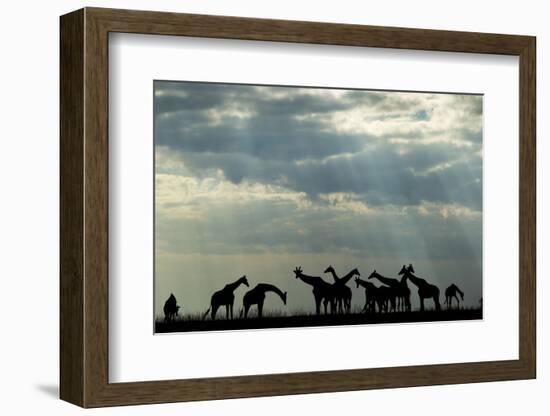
410,268
244,281
373,274
355,272
330,269
403,270
298,271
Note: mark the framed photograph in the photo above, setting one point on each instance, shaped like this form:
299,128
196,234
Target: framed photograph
255,207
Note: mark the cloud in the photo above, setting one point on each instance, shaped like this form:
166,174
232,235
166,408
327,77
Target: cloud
295,138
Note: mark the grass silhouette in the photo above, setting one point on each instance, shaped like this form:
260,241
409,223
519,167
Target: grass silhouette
302,318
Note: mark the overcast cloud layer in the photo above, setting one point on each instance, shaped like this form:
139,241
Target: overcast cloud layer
257,180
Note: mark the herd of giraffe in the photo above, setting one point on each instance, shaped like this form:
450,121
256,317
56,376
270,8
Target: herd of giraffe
393,295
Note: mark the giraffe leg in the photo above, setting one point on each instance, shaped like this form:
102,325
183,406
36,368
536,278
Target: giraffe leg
231,309
422,304
260,309
214,310
317,305
436,302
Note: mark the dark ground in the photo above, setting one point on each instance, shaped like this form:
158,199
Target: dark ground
277,321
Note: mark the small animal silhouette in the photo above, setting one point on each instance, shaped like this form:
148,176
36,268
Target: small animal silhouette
225,297
256,296
425,290
450,293
171,309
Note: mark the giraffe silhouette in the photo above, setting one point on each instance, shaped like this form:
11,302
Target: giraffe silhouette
450,293
342,293
170,309
322,291
256,296
425,290
375,296
225,297
400,290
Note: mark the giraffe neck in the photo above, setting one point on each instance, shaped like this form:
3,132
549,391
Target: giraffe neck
365,284
334,275
459,291
416,280
266,287
314,281
232,286
344,280
387,280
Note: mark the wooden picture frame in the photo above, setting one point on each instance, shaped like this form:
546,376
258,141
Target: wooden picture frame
84,207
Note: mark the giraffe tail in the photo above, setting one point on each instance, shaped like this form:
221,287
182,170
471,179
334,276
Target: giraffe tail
206,313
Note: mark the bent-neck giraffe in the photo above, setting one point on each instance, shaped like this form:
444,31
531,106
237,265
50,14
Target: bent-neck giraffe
256,296
450,293
225,297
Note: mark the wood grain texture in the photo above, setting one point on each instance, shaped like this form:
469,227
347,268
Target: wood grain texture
71,208
527,208
84,207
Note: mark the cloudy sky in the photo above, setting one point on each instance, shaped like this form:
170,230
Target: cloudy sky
256,180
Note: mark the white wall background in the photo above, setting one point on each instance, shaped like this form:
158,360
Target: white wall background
29,209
